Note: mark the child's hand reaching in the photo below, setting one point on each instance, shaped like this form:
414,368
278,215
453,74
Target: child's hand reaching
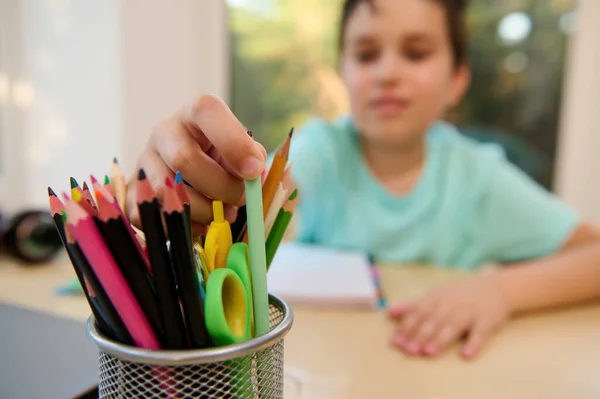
474,307
211,149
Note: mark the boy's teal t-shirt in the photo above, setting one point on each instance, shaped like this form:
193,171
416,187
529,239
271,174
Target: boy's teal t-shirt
470,206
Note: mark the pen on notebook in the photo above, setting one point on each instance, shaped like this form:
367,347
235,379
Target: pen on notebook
164,280
131,264
185,270
87,236
256,248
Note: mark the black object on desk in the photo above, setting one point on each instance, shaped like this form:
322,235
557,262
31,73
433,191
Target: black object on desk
44,356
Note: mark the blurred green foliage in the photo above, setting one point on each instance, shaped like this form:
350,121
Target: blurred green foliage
284,60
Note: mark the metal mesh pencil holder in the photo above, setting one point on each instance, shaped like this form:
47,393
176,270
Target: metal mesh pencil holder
251,369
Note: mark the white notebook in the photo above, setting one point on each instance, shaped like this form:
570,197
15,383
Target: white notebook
315,275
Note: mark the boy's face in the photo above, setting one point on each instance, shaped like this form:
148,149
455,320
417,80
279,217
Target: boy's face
398,67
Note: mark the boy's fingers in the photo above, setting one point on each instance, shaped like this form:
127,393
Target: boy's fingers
476,338
450,329
175,147
211,116
398,311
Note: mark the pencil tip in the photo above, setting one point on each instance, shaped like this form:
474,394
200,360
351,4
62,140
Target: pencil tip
249,133
73,183
169,182
178,178
291,132
115,160
85,186
141,174
93,179
51,192
106,180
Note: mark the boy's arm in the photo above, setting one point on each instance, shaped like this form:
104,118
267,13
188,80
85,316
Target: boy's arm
570,276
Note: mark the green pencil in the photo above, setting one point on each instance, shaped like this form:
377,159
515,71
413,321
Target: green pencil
258,258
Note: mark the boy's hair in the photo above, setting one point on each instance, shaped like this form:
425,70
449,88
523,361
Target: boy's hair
455,15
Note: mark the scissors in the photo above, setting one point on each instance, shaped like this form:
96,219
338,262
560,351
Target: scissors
228,305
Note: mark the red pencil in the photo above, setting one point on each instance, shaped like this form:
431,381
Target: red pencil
84,230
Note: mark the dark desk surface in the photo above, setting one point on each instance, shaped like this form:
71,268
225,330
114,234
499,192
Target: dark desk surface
44,356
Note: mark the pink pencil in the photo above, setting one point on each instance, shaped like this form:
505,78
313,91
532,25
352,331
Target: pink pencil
99,187
83,228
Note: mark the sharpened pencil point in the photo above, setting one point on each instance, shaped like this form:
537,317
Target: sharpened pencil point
178,178
73,182
168,182
291,132
115,160
85,186
249,133
51,192
141,174
106,180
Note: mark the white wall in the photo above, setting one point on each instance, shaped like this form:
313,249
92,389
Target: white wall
87,80
578,174
172,52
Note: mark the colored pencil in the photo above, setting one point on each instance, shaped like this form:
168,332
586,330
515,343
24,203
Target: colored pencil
87,195
279,227
106,312
278,201
164,279
78,196
274,176
89,239
108,186
256,247
131,264
185,269
185,200
276,172
117,181
99,188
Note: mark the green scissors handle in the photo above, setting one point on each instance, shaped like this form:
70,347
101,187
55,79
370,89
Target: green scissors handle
229,299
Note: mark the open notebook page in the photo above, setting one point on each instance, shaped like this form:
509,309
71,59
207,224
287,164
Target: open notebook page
315,275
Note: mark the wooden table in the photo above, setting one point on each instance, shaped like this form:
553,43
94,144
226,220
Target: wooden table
345,354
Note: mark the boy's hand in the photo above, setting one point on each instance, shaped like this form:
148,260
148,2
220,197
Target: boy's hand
207,144
474,307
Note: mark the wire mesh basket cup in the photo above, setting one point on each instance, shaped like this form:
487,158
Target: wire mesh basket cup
251,369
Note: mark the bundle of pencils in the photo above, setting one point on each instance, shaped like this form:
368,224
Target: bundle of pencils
146,286
279,196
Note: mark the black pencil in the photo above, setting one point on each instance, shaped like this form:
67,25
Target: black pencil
185,199
107,318
123,249
238,228
164,279
185,270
